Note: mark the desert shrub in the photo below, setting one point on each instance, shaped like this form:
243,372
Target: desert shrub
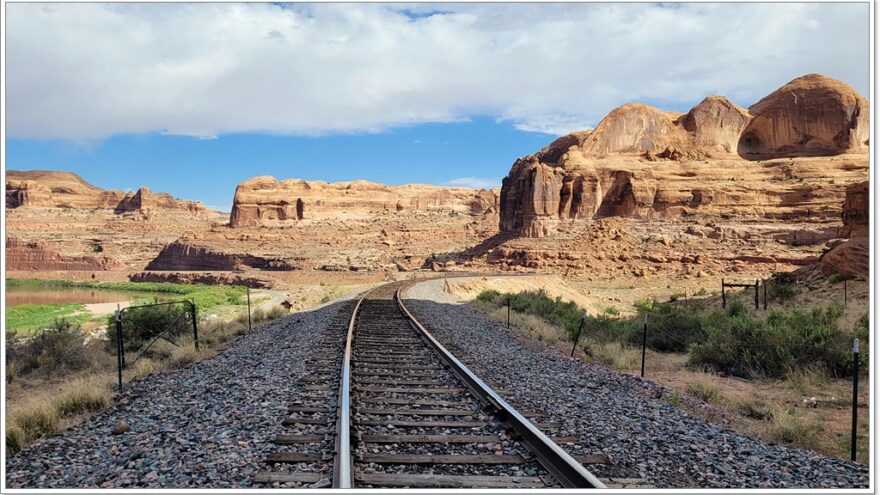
489,296
836,278
782,286
140,325
62,347
772,347
671,328
736,308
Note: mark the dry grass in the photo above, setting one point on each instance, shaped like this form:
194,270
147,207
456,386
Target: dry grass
705,388
83,396
616,355
144,367
27,424
786,426
535,326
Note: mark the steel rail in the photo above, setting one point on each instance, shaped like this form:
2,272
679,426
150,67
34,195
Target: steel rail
343,472
566,470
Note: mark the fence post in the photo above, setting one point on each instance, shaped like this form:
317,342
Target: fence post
765,294
844,293
508,312
644,344
192,309
756,294
119,347
249,308
723,296
855,398
576,339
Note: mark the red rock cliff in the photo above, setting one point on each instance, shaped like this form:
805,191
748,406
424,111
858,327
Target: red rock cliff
642,162
266,202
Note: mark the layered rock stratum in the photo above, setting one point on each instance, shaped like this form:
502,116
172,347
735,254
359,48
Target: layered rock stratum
265,201
850,258
37,256
59,212
46,188
716,159
717,191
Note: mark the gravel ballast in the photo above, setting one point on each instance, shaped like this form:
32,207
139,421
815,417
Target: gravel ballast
620,415
208,424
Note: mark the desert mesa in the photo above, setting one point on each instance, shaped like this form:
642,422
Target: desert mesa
645,194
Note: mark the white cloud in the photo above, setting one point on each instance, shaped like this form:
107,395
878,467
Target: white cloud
475,182
88,71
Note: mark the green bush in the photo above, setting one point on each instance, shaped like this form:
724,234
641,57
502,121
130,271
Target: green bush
140,325
782,286
671,328
772,347
58,348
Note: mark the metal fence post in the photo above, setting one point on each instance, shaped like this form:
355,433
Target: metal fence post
508,312
855,399
576,339
192,309
119,347
249,308
844,293
723,295
644,344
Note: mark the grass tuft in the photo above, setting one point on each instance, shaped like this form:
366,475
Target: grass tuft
705,388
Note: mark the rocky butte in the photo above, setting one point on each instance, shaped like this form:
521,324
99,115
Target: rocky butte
58,221
643,162
266,202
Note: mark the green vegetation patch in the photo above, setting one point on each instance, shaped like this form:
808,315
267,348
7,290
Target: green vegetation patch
33,317
731,341
204,296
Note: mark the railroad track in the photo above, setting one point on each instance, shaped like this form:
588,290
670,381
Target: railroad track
398,410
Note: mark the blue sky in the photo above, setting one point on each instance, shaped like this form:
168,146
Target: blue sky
193,98
477,153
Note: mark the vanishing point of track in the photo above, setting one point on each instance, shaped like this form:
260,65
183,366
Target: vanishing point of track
398,410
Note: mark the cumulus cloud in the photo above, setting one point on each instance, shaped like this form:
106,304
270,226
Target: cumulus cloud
89,71
475,182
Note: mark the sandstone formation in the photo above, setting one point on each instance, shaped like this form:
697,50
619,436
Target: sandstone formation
811,115
183,255
851,257
266,202
643,162
36,256
67,190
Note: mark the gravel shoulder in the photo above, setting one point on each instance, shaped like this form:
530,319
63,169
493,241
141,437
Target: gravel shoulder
206,425
619,415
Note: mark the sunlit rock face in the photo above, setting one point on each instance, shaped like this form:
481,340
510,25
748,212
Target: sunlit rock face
266,202
643,162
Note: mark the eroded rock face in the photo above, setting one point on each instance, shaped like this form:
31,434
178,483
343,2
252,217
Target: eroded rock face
188,256
643,162
266,202
810,115
716,124
37,256
67,190
850,258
